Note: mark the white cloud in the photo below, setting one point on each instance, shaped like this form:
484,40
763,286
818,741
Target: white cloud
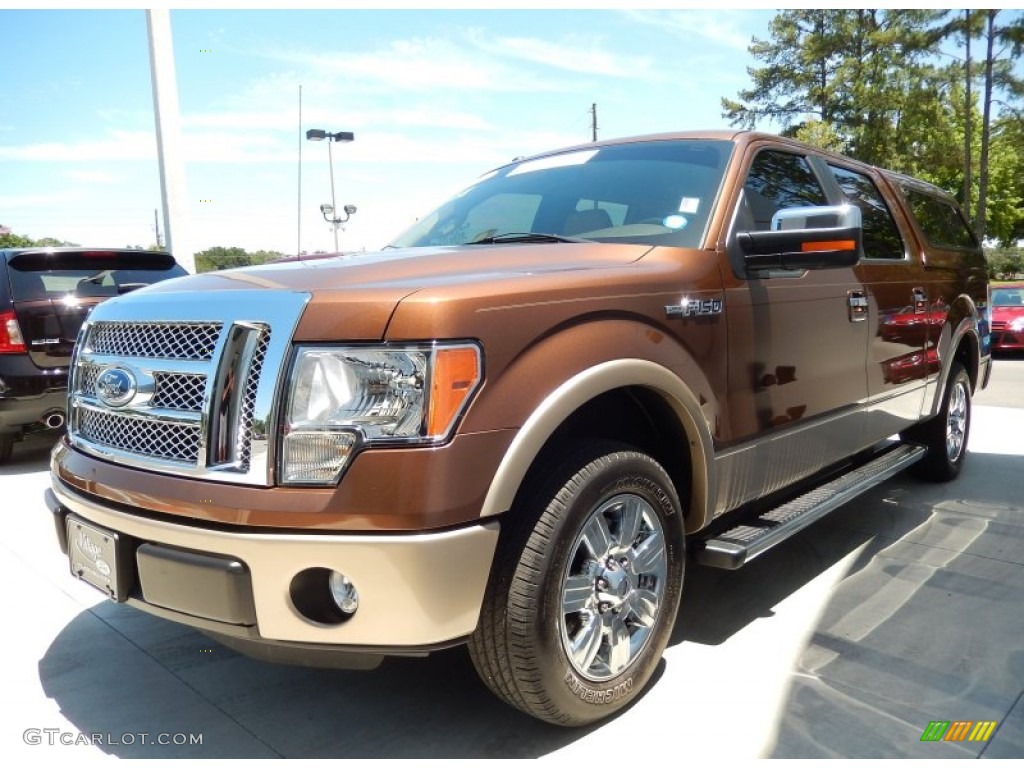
417,64
569,54
43,200
120,145
287,120
717,26
92,177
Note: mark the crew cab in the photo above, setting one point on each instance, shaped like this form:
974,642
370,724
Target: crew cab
512,427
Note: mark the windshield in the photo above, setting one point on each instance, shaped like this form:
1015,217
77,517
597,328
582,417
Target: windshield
653,192
1008,297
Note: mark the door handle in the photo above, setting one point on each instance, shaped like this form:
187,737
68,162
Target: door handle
857,305
920,299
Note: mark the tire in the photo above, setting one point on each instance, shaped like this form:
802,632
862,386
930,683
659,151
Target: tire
6,448
945,435
585,588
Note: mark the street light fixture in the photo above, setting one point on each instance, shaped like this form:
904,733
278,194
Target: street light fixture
318,134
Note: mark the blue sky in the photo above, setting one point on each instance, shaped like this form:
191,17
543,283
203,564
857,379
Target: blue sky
435,98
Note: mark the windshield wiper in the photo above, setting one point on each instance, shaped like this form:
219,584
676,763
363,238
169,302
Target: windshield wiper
525,237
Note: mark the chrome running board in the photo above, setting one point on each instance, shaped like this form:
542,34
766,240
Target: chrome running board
737,546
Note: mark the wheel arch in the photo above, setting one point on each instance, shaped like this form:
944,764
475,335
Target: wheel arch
959,341
576,410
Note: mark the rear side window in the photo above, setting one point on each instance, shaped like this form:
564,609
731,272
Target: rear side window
942,222
777,180
53,276
881,235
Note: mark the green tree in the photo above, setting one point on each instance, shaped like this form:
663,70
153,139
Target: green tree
1004,43
11,240
871,83
219,257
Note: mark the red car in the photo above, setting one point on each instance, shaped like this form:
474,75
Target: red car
1008,317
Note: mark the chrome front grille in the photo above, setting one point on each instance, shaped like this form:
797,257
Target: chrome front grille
144,437
173,341
201,387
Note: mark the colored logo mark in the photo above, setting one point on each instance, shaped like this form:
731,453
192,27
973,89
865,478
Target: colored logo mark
959,730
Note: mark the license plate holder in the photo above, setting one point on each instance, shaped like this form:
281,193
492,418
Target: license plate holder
93,557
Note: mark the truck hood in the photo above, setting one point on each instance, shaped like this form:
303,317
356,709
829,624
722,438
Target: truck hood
357,293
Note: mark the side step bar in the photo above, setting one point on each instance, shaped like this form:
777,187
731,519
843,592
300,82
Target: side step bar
737,546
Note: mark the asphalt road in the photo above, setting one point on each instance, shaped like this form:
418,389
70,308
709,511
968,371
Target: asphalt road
903,607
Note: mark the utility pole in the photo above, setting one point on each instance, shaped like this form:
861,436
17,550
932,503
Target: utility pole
298,246
593,122
168,137
156,229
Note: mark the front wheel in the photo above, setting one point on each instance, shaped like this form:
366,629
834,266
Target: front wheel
585,589
945,435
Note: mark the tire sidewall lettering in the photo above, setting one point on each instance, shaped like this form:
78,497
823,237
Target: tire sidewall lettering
597,696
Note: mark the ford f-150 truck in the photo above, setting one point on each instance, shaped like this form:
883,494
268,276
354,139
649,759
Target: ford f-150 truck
513,426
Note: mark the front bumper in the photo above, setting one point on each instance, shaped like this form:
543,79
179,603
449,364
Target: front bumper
416,591
1007,341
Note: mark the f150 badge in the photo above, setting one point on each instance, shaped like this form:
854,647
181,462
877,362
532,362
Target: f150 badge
688,307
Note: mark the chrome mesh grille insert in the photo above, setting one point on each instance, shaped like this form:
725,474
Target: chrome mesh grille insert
244,437
182,391
173,341
173,441
85,379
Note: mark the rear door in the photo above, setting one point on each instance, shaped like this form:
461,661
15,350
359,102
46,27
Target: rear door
54,290
900,308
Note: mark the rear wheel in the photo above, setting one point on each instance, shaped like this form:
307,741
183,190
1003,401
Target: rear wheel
945,435
585,589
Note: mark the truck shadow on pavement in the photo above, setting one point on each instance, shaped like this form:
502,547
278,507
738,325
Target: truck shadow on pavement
922,624
30,455
121,673
118,672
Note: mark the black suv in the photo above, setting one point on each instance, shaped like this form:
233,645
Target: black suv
45,294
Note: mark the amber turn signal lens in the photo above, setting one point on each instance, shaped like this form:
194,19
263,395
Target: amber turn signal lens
828,245
455,376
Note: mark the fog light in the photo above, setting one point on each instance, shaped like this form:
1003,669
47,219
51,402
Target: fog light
344,593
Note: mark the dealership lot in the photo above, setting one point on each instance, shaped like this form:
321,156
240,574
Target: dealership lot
902,608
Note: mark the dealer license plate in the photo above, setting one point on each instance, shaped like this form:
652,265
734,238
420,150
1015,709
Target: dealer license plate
92,552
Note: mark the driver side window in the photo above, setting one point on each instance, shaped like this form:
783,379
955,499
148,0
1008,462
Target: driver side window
776,180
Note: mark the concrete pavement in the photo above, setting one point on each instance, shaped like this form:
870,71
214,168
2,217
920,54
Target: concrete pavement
903,607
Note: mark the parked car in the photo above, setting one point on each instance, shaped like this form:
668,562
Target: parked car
45,295
511,428
1008,317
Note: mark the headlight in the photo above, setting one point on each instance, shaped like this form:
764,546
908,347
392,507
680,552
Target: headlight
1017,324
343,397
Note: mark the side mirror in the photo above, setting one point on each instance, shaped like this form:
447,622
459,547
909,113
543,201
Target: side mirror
810,237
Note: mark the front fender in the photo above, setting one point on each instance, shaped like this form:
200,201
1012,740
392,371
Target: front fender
583,362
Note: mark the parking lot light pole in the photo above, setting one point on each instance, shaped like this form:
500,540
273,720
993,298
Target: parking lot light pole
330,211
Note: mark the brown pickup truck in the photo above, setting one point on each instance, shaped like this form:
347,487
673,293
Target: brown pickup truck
509,428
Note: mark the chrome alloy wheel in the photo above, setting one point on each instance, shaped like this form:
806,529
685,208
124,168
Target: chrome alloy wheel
956,420
613,586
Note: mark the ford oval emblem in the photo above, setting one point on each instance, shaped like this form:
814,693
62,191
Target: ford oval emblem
115,386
